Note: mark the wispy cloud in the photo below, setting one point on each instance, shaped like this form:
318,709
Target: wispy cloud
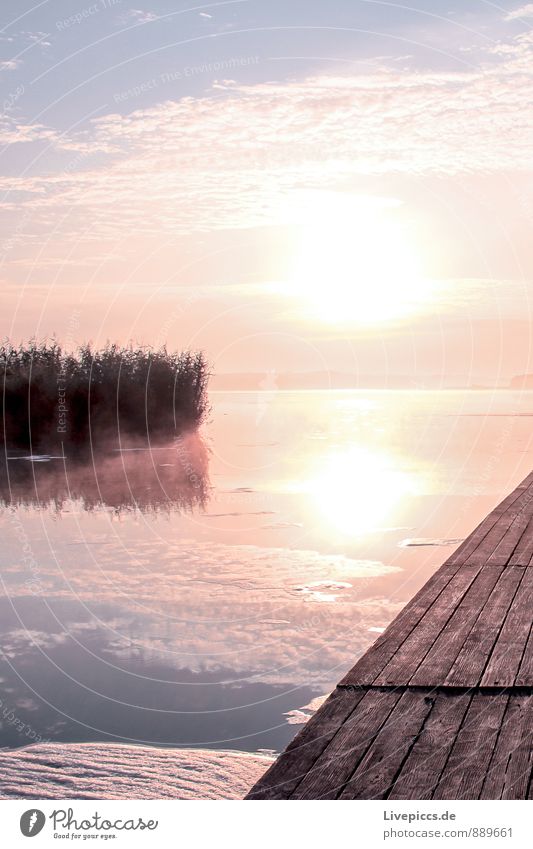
139,16
35,37
13,131
522,12
229,159
26,37
9,64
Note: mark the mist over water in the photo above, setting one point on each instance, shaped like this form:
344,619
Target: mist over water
158,478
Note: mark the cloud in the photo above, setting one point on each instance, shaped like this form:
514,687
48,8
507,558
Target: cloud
14,131
522,12
231,158
25,37
38,37
140,16
251,595
10,64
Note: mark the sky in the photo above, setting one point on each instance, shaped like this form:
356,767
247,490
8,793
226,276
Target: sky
289,185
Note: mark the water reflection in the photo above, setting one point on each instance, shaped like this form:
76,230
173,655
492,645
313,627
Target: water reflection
64,679
139,602
357,490
147,480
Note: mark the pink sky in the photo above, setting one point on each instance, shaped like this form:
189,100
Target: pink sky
176,216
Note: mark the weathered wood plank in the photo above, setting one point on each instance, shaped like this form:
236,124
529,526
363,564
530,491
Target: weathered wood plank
383,650
407,659
336,764
504,662
525,671
511,766
465,770
511,502
510,524
432,669
420,773
379,654
524,550
376,772
294,763
503,551
469,665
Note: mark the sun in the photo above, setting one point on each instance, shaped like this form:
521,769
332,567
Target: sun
355,261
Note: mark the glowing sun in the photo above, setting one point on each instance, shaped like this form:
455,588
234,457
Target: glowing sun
355,261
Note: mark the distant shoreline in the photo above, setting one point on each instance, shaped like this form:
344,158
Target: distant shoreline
217,390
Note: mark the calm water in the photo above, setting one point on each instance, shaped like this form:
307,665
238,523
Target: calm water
154,599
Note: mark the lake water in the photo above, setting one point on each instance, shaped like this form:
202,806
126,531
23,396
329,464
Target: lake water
166,599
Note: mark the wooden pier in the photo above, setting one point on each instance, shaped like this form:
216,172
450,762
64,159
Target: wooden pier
441,706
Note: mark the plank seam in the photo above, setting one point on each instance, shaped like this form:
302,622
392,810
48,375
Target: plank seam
384,639
516,518
457,736
493,517
500,629
529,786
500,730
460,689
352,774
471,589
526,495
526,643
411,747
429,754
339,729
427,610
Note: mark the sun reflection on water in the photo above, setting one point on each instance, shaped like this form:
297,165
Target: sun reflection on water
356,491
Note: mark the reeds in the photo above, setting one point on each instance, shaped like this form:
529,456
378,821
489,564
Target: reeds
100,398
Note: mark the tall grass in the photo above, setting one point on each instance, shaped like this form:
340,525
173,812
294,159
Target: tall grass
104,397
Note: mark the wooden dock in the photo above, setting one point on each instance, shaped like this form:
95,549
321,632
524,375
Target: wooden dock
441,706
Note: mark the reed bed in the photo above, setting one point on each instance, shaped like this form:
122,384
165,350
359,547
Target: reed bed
100,398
